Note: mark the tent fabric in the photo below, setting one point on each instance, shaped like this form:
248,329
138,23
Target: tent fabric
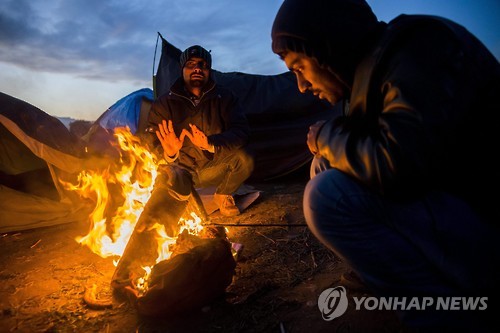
127,111
22,211
45,151
39,125
279,115
15,156
36,150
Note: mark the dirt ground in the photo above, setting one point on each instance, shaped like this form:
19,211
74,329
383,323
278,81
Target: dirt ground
279,276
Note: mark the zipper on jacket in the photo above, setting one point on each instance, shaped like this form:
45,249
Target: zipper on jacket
194,104
187,98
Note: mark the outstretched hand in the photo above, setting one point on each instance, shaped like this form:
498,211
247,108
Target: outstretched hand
312,136
197,137
169,141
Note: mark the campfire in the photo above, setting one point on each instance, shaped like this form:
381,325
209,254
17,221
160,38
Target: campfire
162,275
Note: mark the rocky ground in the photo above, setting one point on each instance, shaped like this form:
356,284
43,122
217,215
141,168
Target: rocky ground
279,276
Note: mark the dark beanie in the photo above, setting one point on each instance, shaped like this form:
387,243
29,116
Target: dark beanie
335,32
195,51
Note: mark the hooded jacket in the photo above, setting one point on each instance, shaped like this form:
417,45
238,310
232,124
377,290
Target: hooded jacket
218,114
424,93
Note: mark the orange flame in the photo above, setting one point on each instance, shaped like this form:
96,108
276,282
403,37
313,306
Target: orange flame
135,177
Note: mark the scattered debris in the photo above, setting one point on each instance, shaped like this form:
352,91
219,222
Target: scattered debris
90,298
35,244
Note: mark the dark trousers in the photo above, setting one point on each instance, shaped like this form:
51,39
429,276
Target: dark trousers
226,172
434,246
174,185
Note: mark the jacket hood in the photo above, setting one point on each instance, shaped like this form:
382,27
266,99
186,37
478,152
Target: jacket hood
335,32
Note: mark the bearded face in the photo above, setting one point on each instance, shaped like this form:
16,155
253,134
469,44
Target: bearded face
196,73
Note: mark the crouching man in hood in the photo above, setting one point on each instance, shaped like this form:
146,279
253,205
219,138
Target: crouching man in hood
397,186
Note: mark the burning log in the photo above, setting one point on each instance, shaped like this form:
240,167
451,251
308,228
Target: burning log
141,249
198,272
139,206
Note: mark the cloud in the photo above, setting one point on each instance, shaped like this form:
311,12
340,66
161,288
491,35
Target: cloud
90,39
90,53
115,40
59,52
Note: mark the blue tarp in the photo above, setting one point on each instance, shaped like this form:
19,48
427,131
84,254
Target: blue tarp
126,111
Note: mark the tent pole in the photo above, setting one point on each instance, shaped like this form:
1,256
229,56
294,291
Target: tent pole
154,63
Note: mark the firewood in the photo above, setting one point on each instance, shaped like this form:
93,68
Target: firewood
190,279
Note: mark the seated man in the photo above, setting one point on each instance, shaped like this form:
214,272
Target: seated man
213,121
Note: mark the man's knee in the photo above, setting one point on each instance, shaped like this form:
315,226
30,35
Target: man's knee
245,161
330,196
176,179
324,187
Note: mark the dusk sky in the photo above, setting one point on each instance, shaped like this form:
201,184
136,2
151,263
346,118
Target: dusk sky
75,58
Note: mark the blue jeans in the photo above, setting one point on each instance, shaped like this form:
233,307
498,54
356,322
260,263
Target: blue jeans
434,246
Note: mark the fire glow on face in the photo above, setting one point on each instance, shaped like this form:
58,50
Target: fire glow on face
134,178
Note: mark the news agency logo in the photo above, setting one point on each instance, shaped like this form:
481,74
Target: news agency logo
333,302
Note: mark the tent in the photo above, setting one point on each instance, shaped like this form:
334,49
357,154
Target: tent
279,115
36,149
131,110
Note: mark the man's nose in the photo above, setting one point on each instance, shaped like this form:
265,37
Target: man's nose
303,84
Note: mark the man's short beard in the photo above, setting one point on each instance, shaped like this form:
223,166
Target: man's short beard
196,83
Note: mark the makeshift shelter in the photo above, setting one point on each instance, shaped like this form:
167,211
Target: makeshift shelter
36,149
279,115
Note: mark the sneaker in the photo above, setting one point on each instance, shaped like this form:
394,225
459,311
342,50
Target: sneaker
226,204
